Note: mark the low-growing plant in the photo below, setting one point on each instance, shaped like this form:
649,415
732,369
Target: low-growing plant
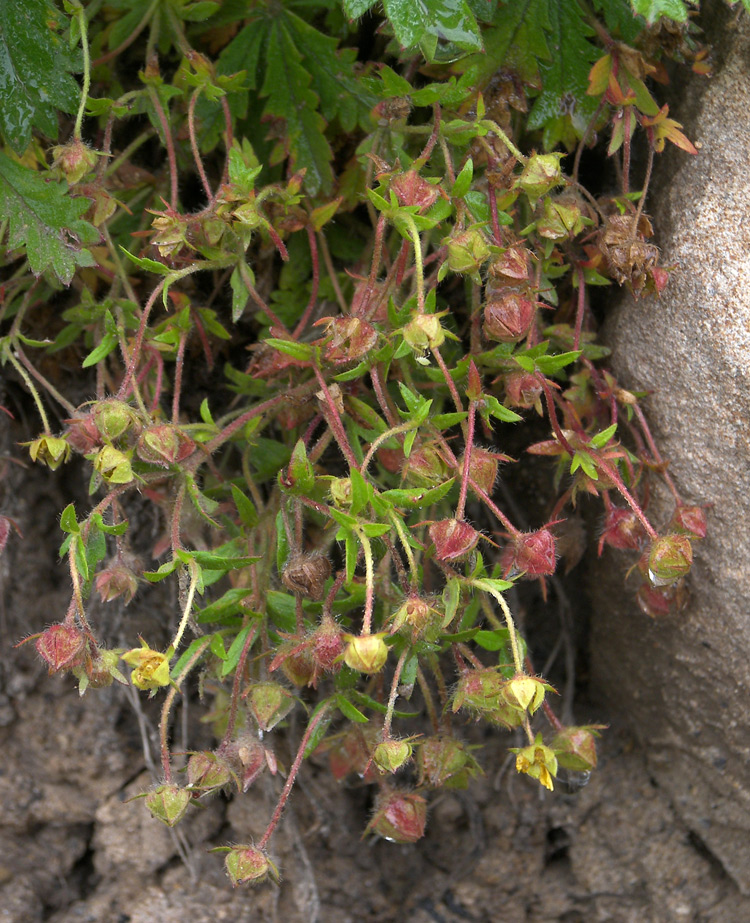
316,269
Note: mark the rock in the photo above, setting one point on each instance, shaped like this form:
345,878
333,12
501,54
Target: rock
684,681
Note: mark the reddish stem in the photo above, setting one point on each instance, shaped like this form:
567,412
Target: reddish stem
236,684
179,365
194,146
334,421
135,355
313,300
448,380
168,141
467,461
581,307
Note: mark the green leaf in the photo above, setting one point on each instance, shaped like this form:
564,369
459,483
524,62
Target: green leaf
245,507
651,10
235,650
563,103
493,640
287,86
303,352
361,492
226,607
601,439
518,39
356,8
463,180
429,22
350,711
143,262
282,608
45,219
184,658
68,522
417,497
35,71
108,343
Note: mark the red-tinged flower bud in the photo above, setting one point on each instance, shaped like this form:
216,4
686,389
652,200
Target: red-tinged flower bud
622,529
511,266
660,277
164,444
391,459
245,758
306,574
531,553
115,581
416,618
453,539
669,559
246,864
73,160
445,762
508,316
113,418
690,520
299,477
350,339
99,670
525,692
296,661
391,110
467,251
425,467
659,602
269,704
391,755
400,817
62,647
208,772
327,645
575,748
483,467
351,752
365,653
168,803
540,175
411,189
82,435
522,389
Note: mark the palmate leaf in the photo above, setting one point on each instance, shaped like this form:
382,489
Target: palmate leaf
654,9
518,39
428,22
35,66
563,109
42,217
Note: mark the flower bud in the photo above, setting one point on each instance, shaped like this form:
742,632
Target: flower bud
299,478
115,581
467,251
538,761
416,619
508,316
296,661
341,492
351,752
51,451
540,175
351,338
622,529
390,755
327,645
164,444
269,704
661,601
99,670
483,467
690,520
208,772
248,864
525,692
365,653
425,467
561,218
82,435
669,559
423,332
391,110
511,266
522,389
411,189
479,690
112,418
168,803
74,160
400,817
530,553
445,762
61,647
576,748
306,574
453,539
113,465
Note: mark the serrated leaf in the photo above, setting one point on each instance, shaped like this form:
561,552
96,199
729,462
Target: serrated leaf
565,77
45,219
287,86
428,22
356,8
35,71
518,39
652,10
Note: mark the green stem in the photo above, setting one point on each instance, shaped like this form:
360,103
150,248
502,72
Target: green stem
369,582
407,549
383,437
488,123
188,607
83,26
512,633
32,390
418,262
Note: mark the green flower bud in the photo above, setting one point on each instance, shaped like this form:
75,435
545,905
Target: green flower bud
540,175
365,653
168,803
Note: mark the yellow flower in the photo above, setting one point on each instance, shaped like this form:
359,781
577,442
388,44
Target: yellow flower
537,761
151,667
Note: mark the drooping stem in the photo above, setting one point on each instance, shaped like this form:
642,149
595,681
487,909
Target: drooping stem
333,418
194,575
418,262
194,146
314,722
369,583
512,633
167,707
465,474
394,693
614,476
83,26
448,380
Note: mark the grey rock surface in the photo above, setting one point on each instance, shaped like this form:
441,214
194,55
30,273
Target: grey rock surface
685,682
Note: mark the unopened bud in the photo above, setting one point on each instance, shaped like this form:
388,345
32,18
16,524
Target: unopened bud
453,539
540,175
399,817
168,803
508,316
365,653
669,559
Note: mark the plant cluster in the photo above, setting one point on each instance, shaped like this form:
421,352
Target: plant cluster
383,206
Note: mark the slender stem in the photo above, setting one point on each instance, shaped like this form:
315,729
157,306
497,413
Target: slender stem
428,701
314,722
48,386
194,145
505,139
177,388
313,300
166,764
135,355
613,475
32,389
83,25
369,583
395,519
188,607
334,420
323,244
461,506
169,143
581,307
552,413
236,684
646,183
512,633
130,39
416,241
448,380
383,437
394,693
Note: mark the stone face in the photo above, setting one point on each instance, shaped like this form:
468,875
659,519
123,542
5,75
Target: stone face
685,682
